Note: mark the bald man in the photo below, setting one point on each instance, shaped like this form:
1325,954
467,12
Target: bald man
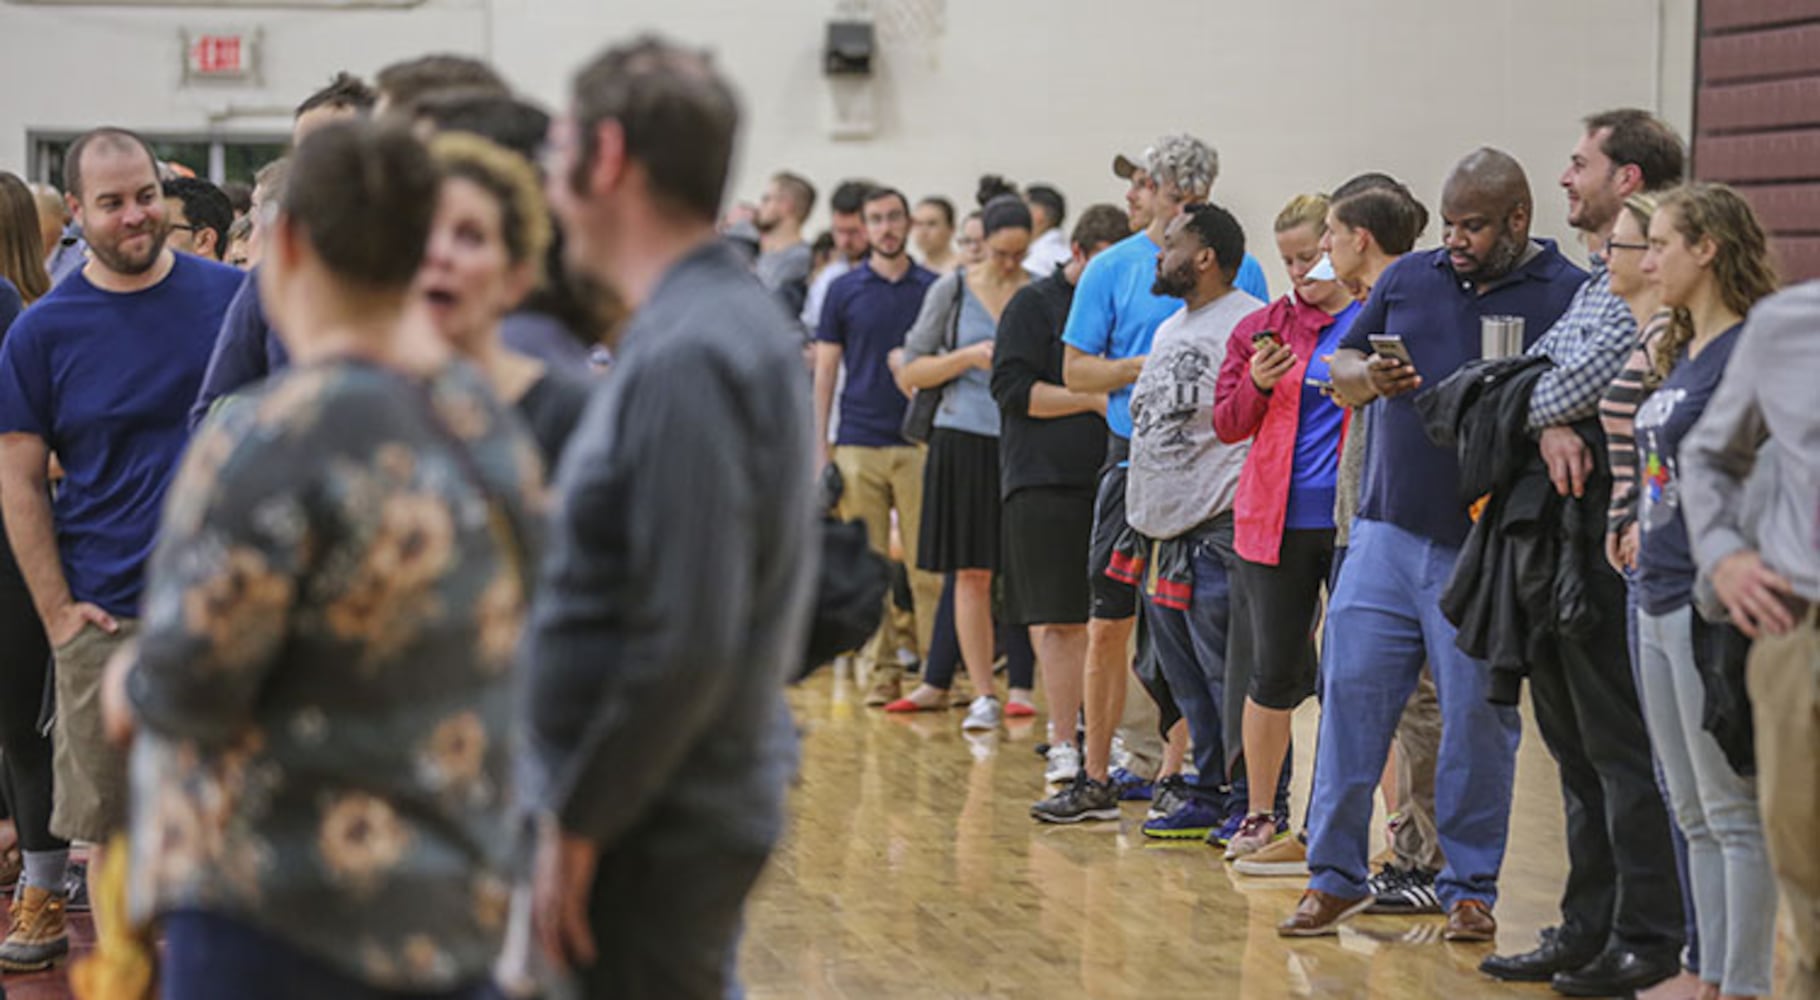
1385,615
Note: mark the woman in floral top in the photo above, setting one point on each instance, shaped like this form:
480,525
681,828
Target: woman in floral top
320,787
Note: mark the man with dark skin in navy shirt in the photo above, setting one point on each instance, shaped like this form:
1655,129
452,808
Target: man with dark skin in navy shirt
1385,615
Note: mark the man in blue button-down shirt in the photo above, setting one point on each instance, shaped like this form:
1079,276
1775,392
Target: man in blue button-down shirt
1621,912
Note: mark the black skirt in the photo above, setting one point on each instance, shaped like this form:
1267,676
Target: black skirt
1046,531
960,527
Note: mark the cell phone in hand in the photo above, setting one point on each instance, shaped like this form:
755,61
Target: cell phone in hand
1391,346
1258,338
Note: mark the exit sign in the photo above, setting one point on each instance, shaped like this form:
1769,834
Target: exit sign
220,55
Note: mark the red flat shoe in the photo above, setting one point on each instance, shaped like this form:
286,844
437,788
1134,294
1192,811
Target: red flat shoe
904,705
1019,710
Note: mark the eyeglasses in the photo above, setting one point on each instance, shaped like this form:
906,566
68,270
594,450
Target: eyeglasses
1611,245
186,227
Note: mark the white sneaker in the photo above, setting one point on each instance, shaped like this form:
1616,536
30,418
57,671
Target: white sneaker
1064,763
982,714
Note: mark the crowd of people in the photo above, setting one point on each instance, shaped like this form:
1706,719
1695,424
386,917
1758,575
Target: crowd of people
412,611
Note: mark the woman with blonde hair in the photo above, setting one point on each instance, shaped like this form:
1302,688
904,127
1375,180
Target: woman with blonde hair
484,256
1272,390
1709,259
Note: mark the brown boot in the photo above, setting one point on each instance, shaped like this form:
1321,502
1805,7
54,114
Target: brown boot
886,684
1470,920
40,935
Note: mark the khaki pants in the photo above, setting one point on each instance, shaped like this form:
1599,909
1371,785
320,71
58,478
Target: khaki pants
1416,841
88,801
876,481
1784,680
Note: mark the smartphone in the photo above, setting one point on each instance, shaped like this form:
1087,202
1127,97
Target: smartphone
1324,385
1258,338
1390,345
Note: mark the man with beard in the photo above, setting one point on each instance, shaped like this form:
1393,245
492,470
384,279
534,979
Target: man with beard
101,372
868,312
1179,495
783,254
847,224
1385,611
677,583
1621,920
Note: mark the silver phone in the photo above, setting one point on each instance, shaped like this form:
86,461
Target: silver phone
1390,345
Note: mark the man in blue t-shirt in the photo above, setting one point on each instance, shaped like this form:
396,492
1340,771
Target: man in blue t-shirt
101,372
1110,323
864,319
1385,613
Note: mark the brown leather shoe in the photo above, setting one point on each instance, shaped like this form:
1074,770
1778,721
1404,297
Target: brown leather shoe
1320,914
1470,920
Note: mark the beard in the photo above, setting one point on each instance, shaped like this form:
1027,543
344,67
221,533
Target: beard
1174,284
1500,260
120,261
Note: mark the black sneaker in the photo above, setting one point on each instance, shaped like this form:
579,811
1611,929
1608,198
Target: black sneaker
1171,794
1084,799
1404,892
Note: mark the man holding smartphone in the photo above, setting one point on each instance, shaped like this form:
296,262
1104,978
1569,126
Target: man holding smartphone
1385,613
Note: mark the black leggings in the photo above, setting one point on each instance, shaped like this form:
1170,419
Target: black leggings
1012,642
1283,606
25,658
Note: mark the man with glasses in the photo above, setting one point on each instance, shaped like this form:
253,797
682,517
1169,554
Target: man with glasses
1621,914
865,317
198,215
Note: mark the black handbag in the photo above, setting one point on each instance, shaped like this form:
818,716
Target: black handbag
919,416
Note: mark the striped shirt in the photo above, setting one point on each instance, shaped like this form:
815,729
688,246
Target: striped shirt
1618,414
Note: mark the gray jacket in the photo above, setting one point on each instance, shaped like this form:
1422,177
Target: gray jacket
678,574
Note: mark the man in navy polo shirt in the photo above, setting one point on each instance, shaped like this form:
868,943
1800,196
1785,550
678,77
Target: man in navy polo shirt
1385,614
101,372
865,317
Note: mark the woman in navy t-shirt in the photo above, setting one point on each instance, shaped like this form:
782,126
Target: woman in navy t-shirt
1710,258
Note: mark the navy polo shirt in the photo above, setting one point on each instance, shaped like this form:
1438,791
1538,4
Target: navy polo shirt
868,316
1409,480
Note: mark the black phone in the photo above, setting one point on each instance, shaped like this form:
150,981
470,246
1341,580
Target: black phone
1390,345
1261,336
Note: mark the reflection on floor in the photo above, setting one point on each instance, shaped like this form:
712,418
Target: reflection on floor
913,870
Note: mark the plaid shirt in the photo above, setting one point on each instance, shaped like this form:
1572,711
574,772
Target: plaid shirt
1588,345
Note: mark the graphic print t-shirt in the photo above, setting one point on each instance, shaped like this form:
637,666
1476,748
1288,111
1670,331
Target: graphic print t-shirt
1181,473
1665,562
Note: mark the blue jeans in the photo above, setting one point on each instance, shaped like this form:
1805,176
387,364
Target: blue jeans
1385,617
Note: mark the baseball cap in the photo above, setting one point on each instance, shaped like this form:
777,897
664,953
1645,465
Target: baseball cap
1124,166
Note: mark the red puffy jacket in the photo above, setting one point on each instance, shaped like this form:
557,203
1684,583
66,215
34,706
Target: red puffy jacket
1241,410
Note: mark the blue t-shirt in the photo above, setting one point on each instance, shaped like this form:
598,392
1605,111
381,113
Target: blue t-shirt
107,379
869,316
1409,480
247,350
1115,314
1315,476
1665,560
11,304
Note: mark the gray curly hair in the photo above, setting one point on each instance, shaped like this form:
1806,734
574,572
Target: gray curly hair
1185,162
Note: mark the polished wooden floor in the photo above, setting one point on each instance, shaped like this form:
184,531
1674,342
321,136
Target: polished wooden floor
912,869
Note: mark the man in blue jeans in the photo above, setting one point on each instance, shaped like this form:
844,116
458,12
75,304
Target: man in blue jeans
1385,615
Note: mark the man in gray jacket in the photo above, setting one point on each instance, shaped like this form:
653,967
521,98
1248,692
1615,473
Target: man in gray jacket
675,592
1763,558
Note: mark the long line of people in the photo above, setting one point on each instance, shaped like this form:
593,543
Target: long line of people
280,534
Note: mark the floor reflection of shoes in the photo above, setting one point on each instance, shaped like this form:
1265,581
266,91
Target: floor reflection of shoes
982,744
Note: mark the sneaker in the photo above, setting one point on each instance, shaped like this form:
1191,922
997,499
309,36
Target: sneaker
1170,794
1064,763
75,889
1228,829
983,714
1084,799
1131,788
1404,892
1287,856
1258,831
1193,819
40,933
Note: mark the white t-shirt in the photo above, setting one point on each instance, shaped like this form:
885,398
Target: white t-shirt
1046,252
1182,474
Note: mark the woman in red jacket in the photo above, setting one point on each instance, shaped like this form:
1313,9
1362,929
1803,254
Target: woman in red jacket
1273,387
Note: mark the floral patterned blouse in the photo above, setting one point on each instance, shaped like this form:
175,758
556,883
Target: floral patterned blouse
323,681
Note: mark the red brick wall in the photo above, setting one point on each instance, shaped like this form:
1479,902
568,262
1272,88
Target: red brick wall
1757,117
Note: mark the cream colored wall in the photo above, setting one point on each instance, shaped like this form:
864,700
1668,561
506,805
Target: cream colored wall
1296,96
